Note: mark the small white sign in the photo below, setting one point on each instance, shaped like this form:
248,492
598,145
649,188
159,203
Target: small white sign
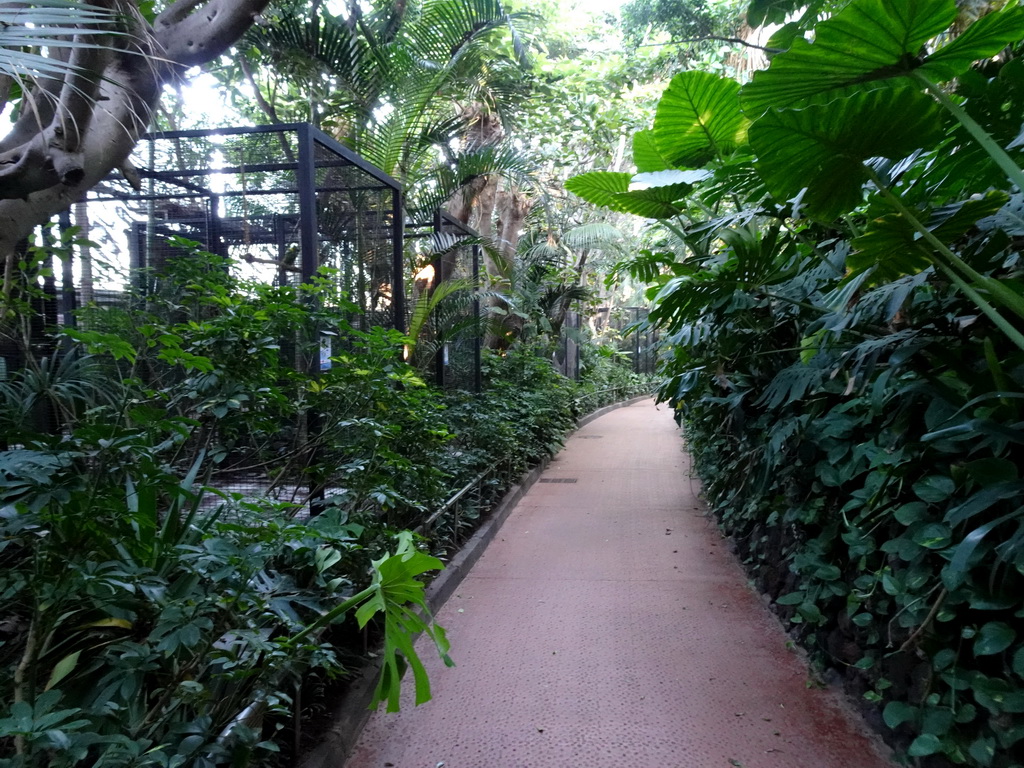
325,353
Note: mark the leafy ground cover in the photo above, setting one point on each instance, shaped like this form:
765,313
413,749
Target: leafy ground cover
152,616
838,271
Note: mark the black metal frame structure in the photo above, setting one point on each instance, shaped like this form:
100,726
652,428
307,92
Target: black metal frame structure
637,340
287,197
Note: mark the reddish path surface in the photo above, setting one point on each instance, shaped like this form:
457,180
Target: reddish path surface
608,625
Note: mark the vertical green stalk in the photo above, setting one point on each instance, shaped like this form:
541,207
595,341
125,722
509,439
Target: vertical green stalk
997,153
956,269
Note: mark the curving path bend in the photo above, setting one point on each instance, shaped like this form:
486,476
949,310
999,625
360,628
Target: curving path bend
608,625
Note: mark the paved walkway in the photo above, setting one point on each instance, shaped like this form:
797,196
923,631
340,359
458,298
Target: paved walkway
607,625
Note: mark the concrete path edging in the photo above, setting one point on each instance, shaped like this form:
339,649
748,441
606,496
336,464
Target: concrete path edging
352,712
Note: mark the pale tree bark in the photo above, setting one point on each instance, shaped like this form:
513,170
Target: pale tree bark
513,208
485,130
482,219
73,133
84,251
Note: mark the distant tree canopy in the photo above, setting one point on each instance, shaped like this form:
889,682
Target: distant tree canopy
681,20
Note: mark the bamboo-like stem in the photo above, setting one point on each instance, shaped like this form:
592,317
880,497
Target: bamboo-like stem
956,269
996,152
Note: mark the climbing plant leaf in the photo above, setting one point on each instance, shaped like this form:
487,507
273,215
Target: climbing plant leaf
867,40
822,148
994,637
698,119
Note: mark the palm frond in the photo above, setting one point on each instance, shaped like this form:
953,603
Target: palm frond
435,187
597,236
49,24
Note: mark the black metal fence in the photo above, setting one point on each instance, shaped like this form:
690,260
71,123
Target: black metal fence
280,201
631,334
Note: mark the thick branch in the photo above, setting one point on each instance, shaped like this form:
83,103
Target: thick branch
716,38
127,93
35,115
6,82
176,11
207,31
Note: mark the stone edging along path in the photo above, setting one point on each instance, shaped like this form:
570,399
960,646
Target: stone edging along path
352,712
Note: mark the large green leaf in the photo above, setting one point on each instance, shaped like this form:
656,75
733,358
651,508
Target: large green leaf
646,154
867,40
653,202
823,147
761,12
894,248
599,187
983,39
698,119
612,190
891,247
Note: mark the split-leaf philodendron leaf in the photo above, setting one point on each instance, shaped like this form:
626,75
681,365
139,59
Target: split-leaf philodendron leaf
823,147
872,40
699,119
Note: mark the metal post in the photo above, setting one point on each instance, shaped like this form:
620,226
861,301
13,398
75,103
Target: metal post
69,299
439,276
306,180
397,260
478,379
636,346
309,263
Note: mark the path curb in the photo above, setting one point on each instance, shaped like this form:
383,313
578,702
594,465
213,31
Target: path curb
584,420
352,713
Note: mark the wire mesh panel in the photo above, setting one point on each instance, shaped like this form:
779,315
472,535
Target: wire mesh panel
278,201
275,205
460,352
634,338
567,351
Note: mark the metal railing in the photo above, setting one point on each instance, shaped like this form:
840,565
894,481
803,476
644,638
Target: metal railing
447,526
603,397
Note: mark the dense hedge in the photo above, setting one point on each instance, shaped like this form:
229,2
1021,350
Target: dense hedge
838,278
874,492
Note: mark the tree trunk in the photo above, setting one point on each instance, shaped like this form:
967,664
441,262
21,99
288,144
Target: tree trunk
84,251
87,125
485,130
513,208
482,219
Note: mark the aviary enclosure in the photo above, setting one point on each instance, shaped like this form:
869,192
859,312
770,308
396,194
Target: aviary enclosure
278,203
